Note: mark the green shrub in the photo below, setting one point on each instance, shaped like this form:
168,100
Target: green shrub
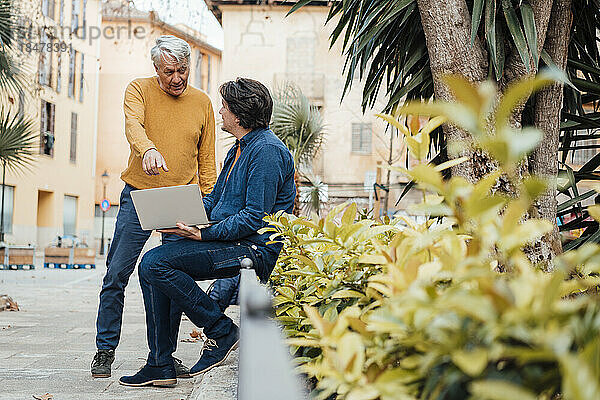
408,310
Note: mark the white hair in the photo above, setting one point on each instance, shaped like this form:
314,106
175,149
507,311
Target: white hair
169,46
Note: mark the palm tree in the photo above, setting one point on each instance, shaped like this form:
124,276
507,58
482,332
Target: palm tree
299,124
11,77
401,47
17,134
17,149
313,195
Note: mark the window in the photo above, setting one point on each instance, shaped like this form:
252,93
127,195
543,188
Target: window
45,63
73,148
48,8
81,80
58,73
75,17
300,62
61,13
361,138
83,19
9,192
198,70
72,58
47,129
208,58
581,156
300,54
70,215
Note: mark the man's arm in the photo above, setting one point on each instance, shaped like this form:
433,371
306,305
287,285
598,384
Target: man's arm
134,109
210,199
207,172
264,178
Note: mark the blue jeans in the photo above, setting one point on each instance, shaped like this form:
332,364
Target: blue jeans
128,241
226,292
168,276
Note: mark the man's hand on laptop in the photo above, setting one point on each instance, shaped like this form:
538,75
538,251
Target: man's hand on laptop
153,161
183,230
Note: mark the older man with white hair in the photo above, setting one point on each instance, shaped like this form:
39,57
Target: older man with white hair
170,128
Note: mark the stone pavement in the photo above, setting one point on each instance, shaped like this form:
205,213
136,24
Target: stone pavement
47,347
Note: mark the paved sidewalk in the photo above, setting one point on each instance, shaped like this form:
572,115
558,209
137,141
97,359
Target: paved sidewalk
47,347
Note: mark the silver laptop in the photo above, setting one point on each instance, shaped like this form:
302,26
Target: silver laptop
162,208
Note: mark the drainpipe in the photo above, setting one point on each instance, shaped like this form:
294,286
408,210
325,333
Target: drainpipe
96,99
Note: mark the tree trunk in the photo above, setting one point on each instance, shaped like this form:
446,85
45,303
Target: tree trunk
297,207
386,198
515,68
447,27
548,104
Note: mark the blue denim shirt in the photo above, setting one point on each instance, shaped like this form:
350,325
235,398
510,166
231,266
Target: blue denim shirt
260,183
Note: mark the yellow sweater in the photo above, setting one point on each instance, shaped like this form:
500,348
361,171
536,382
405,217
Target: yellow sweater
181,128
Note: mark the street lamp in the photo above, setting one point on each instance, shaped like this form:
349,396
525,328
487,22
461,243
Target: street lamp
105,177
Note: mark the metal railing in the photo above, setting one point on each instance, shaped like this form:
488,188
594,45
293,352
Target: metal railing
265,368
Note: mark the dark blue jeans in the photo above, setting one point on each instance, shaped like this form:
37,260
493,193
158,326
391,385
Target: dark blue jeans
128,241
225,292
168,276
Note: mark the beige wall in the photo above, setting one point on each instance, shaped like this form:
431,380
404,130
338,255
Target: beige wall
51,178
123,60
257,45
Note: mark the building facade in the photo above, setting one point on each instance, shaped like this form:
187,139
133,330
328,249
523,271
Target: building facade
55,196
261,42
128,35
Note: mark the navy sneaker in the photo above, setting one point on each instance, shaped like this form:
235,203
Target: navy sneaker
216,351
157,376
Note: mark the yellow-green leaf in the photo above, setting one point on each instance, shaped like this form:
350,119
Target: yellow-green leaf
372,259
349,214
394,122
433,124
450,163
347,293
287,292
351,355
464,91
519,92
305,260
302,342
594,211
427,174
495,389
323,326
471,362
579,382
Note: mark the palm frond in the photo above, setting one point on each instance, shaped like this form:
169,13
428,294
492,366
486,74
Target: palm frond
312,194
11,69
580,124
297,123
8,24
12,78
18,140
